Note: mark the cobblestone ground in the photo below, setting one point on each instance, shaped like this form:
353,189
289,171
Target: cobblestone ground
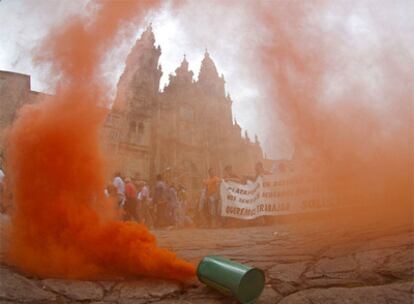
309,263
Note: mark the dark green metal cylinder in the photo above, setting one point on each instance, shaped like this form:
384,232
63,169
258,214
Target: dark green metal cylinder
243,282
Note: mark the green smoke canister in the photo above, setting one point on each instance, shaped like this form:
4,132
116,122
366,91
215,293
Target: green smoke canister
243,282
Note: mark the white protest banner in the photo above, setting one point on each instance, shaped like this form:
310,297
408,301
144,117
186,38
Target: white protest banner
284,193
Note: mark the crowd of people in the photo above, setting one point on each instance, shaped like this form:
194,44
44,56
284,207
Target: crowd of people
165,204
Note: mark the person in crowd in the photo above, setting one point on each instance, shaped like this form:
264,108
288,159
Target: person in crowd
172,205
111,192
182,194
202,211
230,176
120,188
130,206
6,196
259,170
168,176
212,196
160,201
145,205
140,209
183,217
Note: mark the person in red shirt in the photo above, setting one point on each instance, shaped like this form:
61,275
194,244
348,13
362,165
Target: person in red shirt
130,201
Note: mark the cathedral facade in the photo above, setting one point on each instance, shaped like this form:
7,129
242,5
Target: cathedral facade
183,130
186,129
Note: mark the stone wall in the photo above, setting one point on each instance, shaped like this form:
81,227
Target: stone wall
15,91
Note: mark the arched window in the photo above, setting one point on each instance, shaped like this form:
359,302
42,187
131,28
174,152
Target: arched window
136,131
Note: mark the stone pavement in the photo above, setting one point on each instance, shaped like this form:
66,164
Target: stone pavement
309,263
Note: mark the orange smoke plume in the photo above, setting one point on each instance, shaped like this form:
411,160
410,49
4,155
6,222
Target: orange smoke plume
62,225
359,133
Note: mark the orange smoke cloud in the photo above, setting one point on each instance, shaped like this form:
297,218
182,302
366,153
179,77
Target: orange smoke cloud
361,137
62,225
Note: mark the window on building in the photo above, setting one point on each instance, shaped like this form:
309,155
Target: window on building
136,131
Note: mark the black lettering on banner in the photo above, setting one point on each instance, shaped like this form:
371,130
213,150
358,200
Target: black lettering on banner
231,197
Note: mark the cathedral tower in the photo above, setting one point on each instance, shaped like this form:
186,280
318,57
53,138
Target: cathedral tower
138,86
132,123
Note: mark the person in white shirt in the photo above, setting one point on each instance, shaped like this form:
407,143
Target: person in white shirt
1,176
120,188
145,206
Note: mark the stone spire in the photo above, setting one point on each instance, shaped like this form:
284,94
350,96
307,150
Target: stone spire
236,124
183,76
183,72
208,70
237,127
148,36
228,98
246,135
184,63
208,78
